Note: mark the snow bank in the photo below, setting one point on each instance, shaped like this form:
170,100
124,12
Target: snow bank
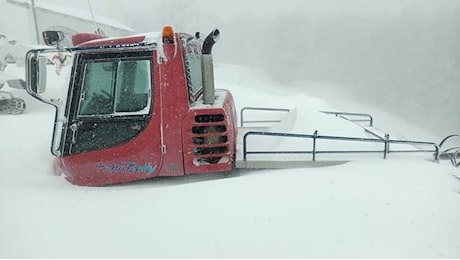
393,208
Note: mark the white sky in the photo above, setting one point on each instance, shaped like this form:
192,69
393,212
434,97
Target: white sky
129,10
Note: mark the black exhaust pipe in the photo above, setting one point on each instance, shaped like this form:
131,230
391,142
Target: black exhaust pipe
210,40
208,67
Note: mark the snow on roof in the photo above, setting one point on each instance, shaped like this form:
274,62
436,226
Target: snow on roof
82,14
152,37
146,38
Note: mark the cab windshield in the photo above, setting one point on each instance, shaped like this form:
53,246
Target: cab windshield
115,87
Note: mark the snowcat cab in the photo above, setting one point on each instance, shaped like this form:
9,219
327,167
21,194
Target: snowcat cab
135,107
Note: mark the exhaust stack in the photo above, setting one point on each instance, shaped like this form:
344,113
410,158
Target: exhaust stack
208,67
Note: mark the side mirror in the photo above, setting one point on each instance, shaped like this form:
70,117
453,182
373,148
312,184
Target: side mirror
40,82
35,73
52,38
41,74
36,79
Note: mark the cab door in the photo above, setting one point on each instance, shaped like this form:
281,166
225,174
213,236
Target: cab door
111,127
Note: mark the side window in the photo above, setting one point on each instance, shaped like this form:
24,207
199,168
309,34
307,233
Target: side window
133,86
98,84
116,88
193,70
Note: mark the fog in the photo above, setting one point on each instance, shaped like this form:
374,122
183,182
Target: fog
403,56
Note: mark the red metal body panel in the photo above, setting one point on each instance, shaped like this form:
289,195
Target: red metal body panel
192,159
174,104
80,38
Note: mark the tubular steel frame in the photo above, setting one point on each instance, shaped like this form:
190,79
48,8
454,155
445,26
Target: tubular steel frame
385,141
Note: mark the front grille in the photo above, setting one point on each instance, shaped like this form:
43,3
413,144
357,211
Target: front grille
211,150
209,129
209,118
209,138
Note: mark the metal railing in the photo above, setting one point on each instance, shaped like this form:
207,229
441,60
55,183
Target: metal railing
314,151
346,115
260,109
451,153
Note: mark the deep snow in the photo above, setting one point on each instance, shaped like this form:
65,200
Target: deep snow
394,208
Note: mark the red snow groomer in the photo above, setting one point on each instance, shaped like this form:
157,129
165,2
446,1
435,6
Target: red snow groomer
144,106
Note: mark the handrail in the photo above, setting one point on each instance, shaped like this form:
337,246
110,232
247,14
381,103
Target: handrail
336,113
261,109
453,154
369,117
385,141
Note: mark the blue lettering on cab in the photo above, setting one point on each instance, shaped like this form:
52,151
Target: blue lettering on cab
125,167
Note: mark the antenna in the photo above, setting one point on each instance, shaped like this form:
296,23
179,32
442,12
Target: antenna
96,29
34,13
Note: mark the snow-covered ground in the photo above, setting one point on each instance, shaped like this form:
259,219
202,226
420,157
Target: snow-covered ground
394,208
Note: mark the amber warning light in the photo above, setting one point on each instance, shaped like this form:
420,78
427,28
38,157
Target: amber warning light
168,34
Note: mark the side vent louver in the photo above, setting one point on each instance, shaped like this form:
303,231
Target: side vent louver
209,129
209,139
209,118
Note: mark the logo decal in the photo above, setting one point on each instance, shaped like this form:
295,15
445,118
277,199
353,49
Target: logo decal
125,167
